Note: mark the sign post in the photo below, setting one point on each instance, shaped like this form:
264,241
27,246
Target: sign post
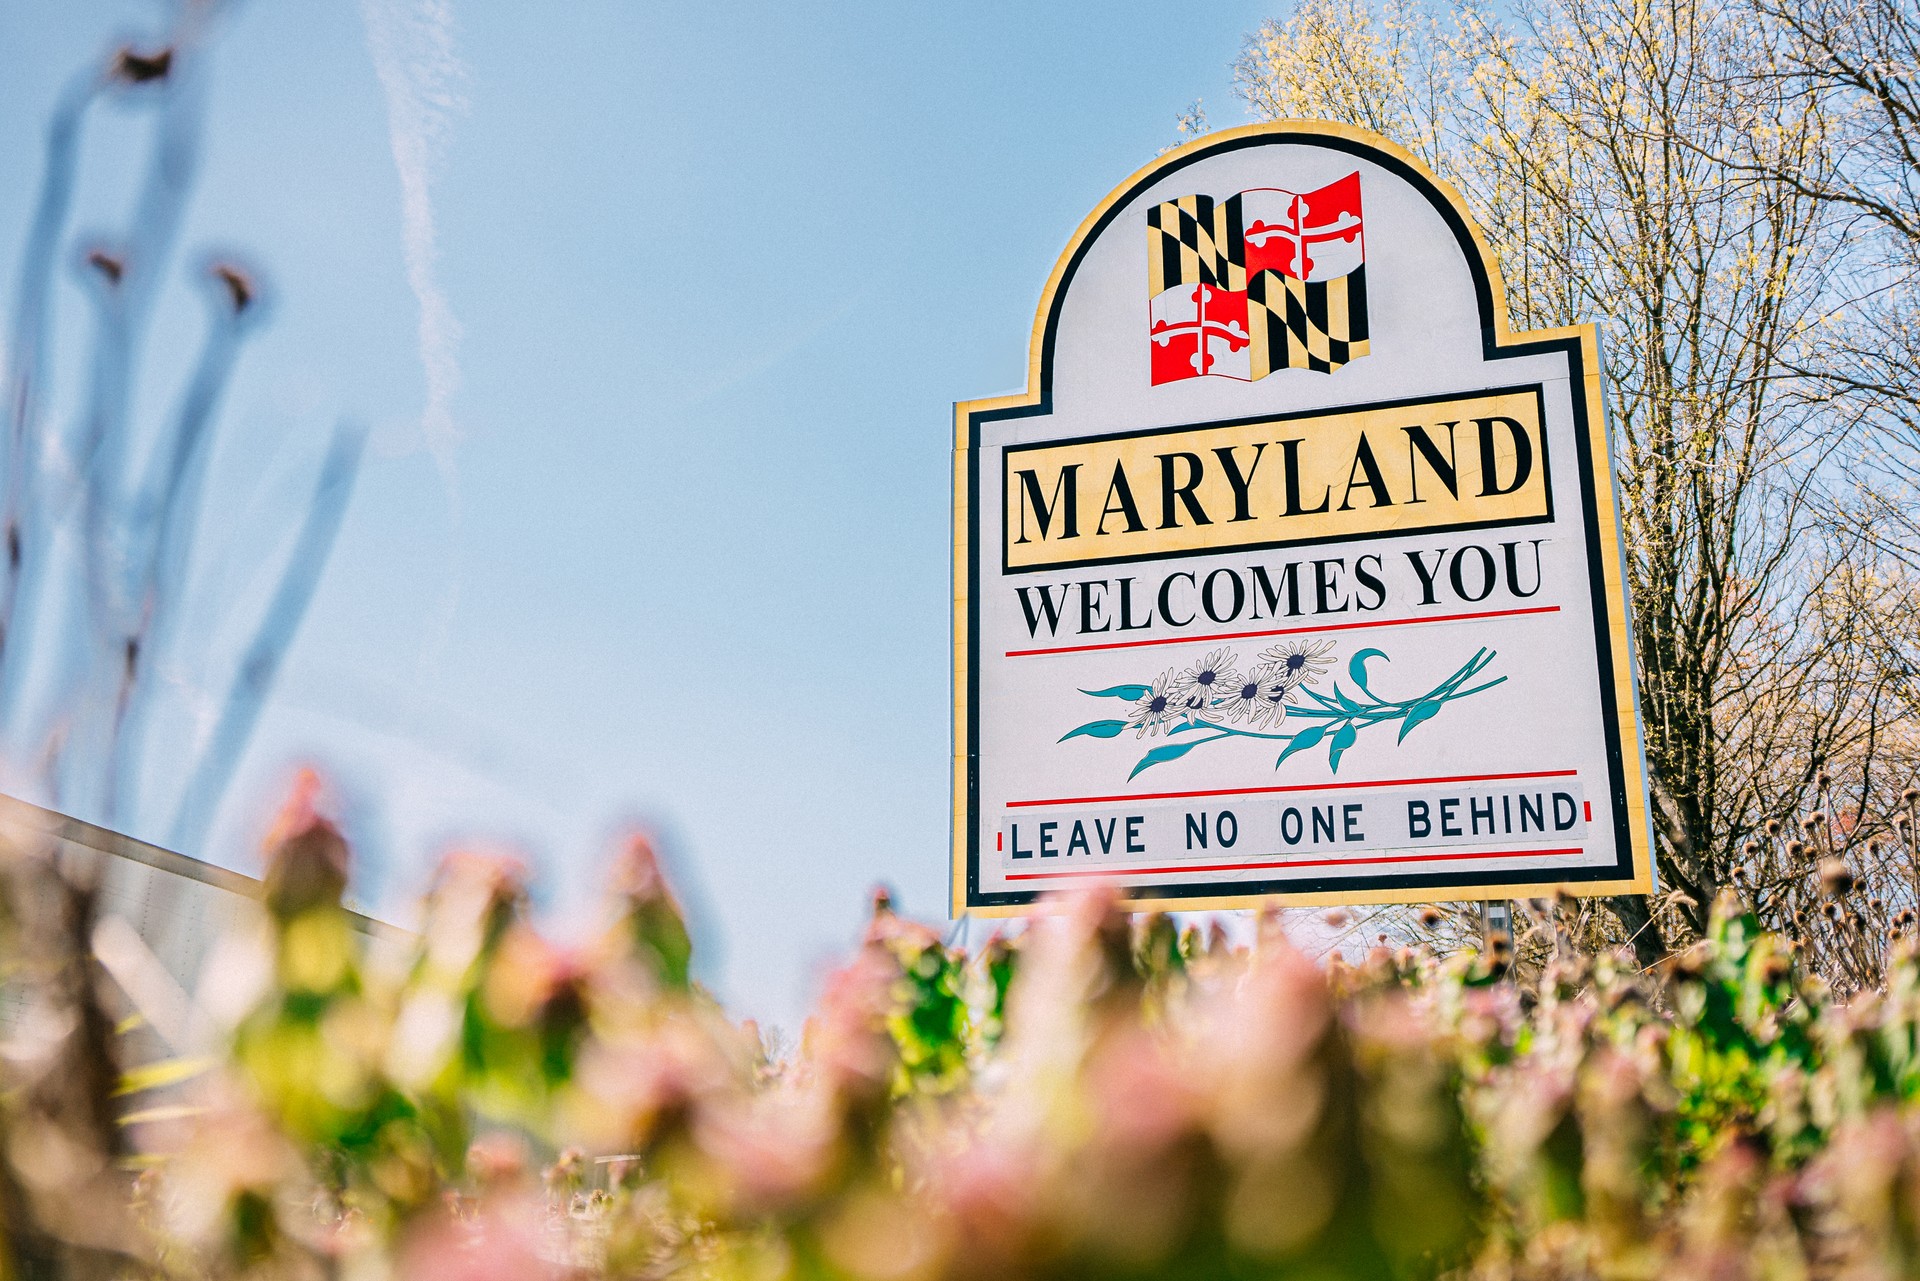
1496,922
1293,574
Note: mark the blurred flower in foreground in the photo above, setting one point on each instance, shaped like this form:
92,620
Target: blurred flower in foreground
1096,1096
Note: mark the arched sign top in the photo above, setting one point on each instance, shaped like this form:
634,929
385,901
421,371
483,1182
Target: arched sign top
1448,209
1289,555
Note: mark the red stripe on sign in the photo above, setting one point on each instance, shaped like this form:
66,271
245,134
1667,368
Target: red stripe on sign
1589,805
1323,862
999,840
1293,787
1284,631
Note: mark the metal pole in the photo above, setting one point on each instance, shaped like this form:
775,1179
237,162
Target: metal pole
1496,922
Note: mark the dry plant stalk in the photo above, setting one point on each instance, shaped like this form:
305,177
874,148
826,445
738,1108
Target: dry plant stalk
98,524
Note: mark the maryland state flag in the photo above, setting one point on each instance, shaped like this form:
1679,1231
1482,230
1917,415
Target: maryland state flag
1263,280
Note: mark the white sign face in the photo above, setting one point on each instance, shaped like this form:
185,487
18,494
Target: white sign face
1293,574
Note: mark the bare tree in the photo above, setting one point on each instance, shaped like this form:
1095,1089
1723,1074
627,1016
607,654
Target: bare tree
1860,61
1592,140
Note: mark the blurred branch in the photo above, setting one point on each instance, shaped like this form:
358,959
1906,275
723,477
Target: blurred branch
100,523
165,513
261,661
27,355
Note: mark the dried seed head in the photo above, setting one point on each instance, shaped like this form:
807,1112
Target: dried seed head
1795,849
1910,795
1903,821
1800,917
1740,877
1336,917
1811,823
1858,923
1823,780
239,286
1431,917
1773,826
1877,904
139,68
108,265
1836,878
1750,849
1775,969
1831,911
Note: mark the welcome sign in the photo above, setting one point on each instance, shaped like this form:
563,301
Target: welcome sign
1293,573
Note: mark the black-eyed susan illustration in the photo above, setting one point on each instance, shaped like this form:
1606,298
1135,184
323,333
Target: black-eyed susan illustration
1215,699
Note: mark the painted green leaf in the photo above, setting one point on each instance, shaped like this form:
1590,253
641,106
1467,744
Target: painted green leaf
1302,741
1420,712
1357,668
1133,693
1166,752
1341,742
1095,729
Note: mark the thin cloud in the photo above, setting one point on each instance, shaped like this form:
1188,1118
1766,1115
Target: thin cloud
412,46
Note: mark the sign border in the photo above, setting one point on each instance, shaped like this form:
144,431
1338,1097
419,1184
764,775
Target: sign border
1632,870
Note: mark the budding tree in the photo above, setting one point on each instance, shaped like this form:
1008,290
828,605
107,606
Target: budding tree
1643,166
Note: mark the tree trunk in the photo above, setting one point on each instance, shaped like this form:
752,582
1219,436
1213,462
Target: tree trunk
1636,917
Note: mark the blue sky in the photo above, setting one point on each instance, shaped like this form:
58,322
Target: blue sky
718,274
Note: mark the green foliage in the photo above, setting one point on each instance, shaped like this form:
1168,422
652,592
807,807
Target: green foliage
1093,1097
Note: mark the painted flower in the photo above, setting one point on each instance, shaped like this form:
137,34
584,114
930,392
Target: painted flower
1159,705
1197,708
1299,662
1256,697
1205,683
1276,686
